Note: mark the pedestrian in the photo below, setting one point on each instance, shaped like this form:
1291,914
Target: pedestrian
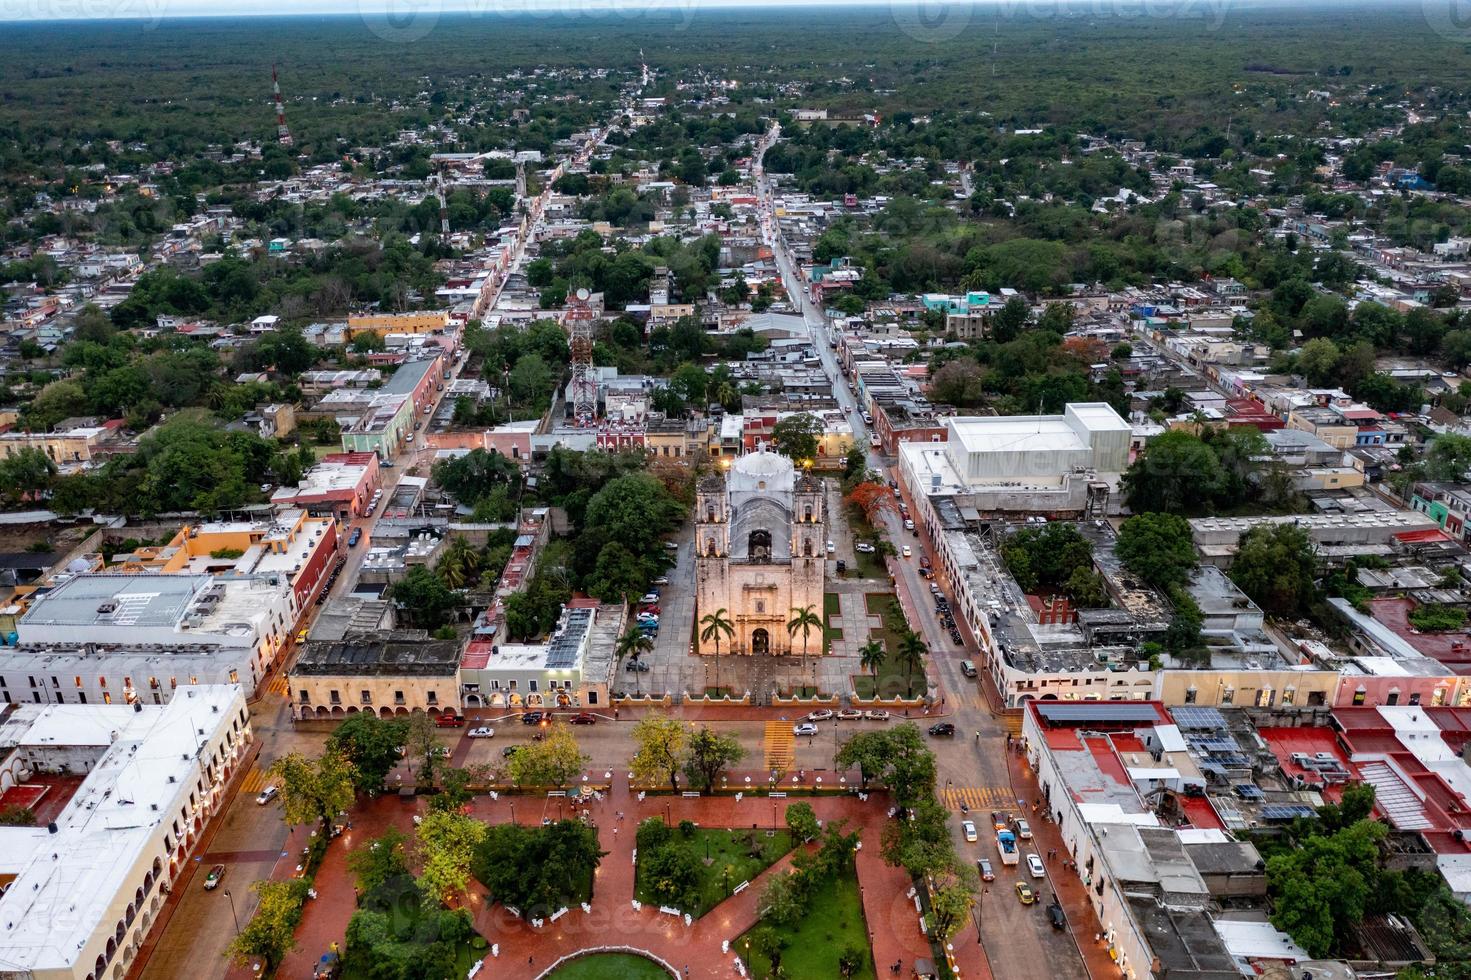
615,831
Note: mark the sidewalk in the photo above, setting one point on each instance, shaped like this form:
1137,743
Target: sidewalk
525,951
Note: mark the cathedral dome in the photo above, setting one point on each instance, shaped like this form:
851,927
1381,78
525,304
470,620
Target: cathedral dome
760,472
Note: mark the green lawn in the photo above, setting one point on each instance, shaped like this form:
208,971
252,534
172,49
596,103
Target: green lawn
811,947
830,610
610,966
745,853
891,680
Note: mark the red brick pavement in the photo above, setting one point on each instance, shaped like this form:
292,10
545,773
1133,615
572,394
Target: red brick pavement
1064,882
526,951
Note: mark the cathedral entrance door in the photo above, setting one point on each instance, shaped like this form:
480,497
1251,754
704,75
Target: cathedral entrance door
760,641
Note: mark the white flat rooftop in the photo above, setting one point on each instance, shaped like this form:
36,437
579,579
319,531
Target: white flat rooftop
68,880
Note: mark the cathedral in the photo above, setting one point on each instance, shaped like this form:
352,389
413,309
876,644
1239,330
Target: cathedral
760,552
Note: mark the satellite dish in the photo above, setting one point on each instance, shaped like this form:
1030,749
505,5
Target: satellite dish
583,294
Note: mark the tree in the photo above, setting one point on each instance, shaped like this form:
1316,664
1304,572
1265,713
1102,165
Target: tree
446,846
422,749
1008,322
538,869
423,597
633,644
784,900
920,844
802,822
795,437
1158,548
1318,360
871,657
459,564
633,509
24,474
370,744
554,761
1046,556
869,751
93,325
531,379
1277,567
661,743
712,627
1323,887
709,754
804,620
951,898
1449,457
959,382
384,860
1178,474
271,932
314,790
909,655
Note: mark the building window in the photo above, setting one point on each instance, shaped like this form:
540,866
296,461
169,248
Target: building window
366,697
1228,695
102,682
432,697
234,676
398,697
1359,695
33,681
531,685
592,697
304,697
1415,698
1289,695
54,682
81,697
334,697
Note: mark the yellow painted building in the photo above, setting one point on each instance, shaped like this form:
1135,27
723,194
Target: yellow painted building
73,446
427,321
1246,688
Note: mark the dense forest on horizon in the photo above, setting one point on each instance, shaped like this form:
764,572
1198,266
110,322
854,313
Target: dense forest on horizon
1096,69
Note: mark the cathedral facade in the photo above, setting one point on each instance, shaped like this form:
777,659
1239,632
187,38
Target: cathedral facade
760,553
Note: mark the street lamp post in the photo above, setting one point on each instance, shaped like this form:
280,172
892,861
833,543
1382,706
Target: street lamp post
233,916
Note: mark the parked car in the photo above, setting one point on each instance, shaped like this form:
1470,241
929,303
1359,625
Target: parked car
968,827
481,732
511,750
583,718
908,524
864,547
984,867
1024,893
450,721
1023,829
301,636
355,537
906,551
805,728
943,728
637,666
876,714
1056,916
968,668
850,714
215,876
650,598
661,580
1035,866
821,714
267,795
831,547
532,718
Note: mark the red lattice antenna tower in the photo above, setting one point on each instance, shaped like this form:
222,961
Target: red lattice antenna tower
584,388
283,135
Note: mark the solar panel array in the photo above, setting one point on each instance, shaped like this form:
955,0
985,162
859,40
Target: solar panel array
1096,711
562,653
1191,718
1287,811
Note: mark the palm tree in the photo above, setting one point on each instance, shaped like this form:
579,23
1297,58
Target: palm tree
459,563
910,652
632,644
714,625
806,620
871,657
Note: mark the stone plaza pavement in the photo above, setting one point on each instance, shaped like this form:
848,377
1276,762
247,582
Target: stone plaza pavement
525,952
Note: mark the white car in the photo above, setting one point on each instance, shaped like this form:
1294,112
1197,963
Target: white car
805,728
821,714
481,733
831,547
267,795
649,598
908,525
864,547
970,830
876,714
906,551
1034,865
1023,829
